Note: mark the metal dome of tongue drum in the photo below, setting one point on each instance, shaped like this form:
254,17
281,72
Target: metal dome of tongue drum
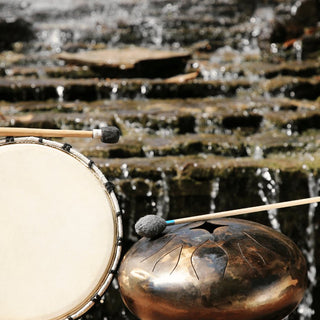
222,269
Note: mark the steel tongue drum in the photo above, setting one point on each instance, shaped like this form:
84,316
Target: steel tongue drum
218,269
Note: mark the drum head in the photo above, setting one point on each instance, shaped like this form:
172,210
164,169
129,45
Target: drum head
58,231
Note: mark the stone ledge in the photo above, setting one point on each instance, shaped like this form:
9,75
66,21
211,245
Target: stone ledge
95,89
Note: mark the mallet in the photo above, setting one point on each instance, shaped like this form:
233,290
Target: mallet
106,134
151,226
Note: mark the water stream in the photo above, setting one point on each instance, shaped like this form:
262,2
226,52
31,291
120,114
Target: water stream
214,194
268,190
163,199
305,309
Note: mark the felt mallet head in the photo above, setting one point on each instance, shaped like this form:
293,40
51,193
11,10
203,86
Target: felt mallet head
107,134
150,226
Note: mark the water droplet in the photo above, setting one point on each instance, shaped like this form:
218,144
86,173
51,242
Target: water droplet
125,171
143,89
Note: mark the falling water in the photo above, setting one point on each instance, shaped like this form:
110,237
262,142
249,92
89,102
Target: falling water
298,50
144,89
123,198
256,152
305,308
131,222
205,124
163,201
60,91
268,190
215,186
124,171
120,194
114,91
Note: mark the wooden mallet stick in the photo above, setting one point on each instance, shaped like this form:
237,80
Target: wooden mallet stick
106,134
151,225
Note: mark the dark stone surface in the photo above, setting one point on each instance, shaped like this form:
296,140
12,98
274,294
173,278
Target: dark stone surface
13,30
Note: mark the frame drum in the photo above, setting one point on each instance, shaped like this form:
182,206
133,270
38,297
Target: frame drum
60,231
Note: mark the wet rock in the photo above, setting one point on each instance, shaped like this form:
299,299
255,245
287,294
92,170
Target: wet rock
299,88
294,121
127,148
238,66
196,88
182,78
9,57
69,72
194,144
303,14
303,90
216,116
184,198
202,46
95,89
34,121
308,68
34,107
272,142
13,30
311,44
148,168
306,12
130,62
190,185
234,121
22,90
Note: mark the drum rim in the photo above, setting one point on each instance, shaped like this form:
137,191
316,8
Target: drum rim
113,264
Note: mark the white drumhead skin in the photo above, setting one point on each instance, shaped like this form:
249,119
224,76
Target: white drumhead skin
57,232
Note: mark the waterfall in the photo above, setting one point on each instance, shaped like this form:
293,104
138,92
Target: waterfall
305,308
268,190
298,48
114,91
213,194
60,91
163,201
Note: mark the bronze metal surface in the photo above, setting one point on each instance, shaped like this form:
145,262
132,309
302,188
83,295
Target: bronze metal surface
219,270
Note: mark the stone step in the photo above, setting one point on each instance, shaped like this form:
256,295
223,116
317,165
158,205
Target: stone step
201,167
241,116
17,89
257,146
131,62
67,72
293,87
185,185
228,65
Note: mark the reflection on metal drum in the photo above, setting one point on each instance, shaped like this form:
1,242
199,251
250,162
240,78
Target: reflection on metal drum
222,269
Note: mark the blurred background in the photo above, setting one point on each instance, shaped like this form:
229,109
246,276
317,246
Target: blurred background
217,102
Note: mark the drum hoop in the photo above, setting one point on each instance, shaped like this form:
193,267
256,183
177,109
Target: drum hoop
109,273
